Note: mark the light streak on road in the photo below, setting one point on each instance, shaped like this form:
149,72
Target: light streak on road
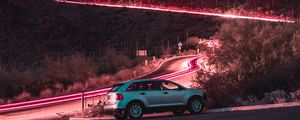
48,101
178,10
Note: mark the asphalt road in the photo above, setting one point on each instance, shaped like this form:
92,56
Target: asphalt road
169,67
289,113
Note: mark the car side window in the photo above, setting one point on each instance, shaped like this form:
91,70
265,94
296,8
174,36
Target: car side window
168,86
144,86
133,87
152,85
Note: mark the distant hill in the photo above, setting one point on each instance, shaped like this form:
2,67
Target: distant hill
267,8
32,29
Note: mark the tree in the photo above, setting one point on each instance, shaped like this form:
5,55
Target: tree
255,57
112,61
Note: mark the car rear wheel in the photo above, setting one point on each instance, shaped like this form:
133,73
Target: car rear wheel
178,112
195,105
135,110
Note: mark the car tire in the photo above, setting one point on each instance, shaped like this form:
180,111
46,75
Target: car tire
195,105
135,110
178,112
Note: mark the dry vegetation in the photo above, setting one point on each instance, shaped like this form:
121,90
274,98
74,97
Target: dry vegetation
257,62
66,75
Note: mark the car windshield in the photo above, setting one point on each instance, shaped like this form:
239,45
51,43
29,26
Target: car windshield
116,87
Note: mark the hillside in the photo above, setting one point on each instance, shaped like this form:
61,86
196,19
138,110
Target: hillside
31,30
268,8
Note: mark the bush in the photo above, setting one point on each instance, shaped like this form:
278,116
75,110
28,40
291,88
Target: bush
23,96
220,89
13,82
255,58
124,74
113,61
92,83
46,93
295,96
97,110
2,101
248,100
277,96
58,87
76,87
69,69
107,79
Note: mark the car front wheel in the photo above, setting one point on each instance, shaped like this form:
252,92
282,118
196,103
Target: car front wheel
195,105
135,111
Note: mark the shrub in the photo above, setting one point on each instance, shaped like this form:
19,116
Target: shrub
92,83
113,61
295,96
2,101
46,93
58,87
23,96
97,110
76,87
106,79
69,69
277,96
220,89
248,100
13,81
255,58
125,74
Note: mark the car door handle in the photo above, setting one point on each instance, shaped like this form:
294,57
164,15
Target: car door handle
166,93
142,93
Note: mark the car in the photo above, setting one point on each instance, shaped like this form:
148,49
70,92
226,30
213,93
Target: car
134,98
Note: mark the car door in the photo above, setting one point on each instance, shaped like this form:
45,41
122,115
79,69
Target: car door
150,93
171,94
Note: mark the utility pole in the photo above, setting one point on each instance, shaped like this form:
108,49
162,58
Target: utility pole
137,44
187,37
82,100
147,44
82,96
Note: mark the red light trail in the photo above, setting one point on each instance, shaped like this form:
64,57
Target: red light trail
178,10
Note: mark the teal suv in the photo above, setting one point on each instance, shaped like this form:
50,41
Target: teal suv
134,98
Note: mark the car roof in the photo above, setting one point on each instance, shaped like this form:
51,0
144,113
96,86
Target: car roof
143,80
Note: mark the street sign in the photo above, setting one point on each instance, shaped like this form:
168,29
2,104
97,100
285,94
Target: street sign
179,44
141,52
